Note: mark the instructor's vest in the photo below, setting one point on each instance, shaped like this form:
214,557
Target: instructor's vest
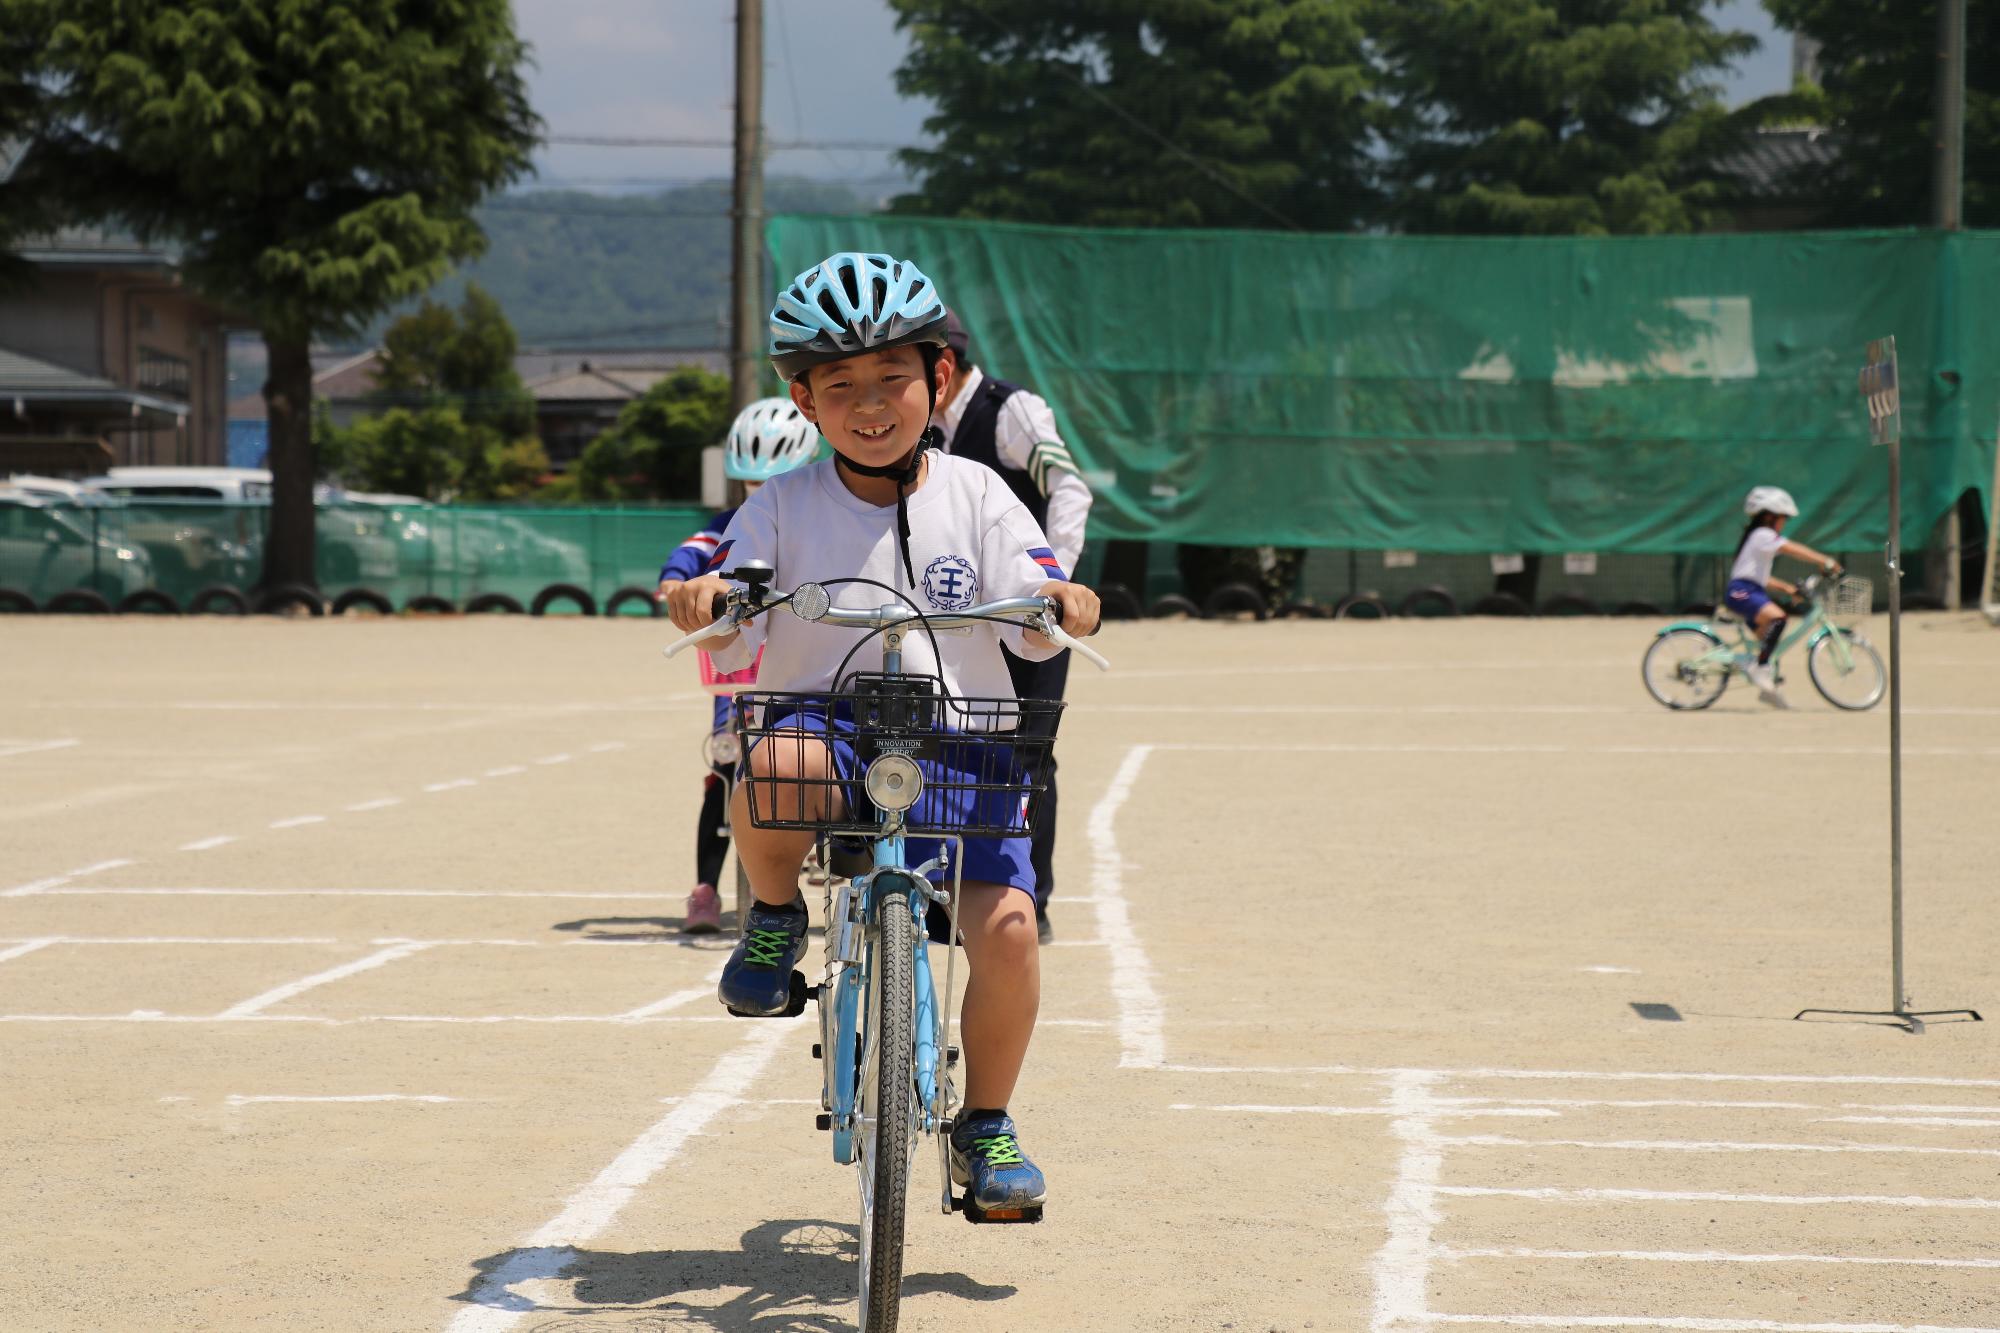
975,436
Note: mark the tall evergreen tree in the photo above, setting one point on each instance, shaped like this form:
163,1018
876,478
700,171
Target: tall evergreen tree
462,358
1878,72
1147,113
315,160
1557,117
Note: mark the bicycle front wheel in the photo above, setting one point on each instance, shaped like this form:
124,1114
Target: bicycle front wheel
888,1111
1847,670
1685,669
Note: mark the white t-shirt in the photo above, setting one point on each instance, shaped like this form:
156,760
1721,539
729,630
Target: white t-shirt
1026,439
1753,562
971,541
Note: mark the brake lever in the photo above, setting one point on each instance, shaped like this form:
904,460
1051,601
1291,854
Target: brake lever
1062,638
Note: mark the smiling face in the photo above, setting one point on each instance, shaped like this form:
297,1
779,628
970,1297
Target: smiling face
871,407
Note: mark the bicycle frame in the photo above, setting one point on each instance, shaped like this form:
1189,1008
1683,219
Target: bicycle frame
1812,627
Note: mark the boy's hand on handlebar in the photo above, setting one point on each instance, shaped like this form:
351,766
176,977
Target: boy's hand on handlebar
1079,608
667,587
691,605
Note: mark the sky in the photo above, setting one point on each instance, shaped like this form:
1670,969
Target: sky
666,69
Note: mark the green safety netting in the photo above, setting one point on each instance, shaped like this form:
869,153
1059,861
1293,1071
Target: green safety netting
456,552
1473,394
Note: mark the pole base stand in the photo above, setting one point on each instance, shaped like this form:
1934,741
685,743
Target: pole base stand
1901,1018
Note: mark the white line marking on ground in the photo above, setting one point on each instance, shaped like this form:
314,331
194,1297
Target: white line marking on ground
606,747
1632,1103
1713,1257
1622,971
1720,1146
8,749
278,994
379,803
323,893
553,759
183,939
1691,751
24,948
679,998
1401,1268
1946,1108
236,1099
298,821
54,881
1141,1016
1443,1109
1907,1120
453,785
591,1209
1589,1075
209,844
1545,1195
1690,1322
155,1016
505,771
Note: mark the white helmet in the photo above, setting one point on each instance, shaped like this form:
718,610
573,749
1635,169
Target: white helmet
1770,500
768,437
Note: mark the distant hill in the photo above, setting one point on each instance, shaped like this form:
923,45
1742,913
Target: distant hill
576,270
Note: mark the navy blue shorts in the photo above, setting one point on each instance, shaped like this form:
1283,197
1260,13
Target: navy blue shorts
1745,599
1004,861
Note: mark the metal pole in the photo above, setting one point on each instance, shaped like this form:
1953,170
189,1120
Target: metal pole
746,279
1948,168
1899,1002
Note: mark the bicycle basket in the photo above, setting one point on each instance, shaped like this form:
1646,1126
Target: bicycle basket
1852,599
985,762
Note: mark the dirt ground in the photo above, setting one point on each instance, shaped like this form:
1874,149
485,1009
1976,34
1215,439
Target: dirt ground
1406,975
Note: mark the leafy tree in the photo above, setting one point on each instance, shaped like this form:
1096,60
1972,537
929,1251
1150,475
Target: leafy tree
653,450
463,357
433,452
316,162
1195,113
1878,67
24,28
1556,117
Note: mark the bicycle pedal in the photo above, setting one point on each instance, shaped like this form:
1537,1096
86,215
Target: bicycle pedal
980,1216
800,993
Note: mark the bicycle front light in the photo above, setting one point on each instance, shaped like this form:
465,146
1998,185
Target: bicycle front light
894,782
722,748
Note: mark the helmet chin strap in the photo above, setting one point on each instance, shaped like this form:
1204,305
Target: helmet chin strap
904,473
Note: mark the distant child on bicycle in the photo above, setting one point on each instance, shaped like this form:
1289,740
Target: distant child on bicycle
861,340
768,437
1769,507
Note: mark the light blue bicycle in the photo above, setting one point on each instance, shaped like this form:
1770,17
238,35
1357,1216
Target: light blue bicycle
1688,665
914,762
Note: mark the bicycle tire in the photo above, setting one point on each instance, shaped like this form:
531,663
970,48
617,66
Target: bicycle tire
887,1101
1865,659
1696,701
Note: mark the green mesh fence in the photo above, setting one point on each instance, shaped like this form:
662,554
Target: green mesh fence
1461,395
454,552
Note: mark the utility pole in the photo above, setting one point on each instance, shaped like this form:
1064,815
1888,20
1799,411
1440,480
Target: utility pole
1947,196
746,273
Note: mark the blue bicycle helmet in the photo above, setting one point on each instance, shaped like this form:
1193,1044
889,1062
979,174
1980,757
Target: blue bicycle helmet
851,303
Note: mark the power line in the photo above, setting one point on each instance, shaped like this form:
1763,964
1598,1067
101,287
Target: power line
770,145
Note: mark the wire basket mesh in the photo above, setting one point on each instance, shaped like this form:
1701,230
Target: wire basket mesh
1852,599
985,762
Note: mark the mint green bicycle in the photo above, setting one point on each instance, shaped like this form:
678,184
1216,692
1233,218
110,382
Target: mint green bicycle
1689,665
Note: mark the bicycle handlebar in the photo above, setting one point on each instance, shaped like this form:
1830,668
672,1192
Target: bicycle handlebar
732,609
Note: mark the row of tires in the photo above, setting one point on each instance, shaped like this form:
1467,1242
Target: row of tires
1237,599
223,599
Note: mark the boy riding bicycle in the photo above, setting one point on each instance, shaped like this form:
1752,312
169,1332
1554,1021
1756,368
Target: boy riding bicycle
1769,507
768,437
861,341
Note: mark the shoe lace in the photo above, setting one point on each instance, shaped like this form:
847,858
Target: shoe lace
766,948
999,1150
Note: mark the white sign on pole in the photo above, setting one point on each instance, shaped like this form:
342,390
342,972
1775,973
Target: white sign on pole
1583,563
1399,559
1511,562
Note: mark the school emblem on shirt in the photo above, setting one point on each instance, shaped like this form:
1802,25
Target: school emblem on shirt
951,583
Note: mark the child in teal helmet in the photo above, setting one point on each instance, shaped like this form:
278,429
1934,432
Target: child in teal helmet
861,340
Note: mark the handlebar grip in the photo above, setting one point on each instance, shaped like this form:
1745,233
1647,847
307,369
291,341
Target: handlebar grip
718,608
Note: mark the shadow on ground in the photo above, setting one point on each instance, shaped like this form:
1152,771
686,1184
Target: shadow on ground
780,1281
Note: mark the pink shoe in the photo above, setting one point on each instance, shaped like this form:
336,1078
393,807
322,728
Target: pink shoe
704,911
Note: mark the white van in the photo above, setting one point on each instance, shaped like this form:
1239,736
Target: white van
185,483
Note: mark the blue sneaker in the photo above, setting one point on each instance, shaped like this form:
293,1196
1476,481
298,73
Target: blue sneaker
757,979
986,1157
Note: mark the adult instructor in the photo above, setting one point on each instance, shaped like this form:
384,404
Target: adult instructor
1013,432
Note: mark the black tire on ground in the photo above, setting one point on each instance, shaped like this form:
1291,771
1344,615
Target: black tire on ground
430,604
366,598
1118,602
219,599
1640,608
1697,608
1500,604
1433,595
14,602
273,601
557,592
1570,604
1361,606
493,601
1233,597
148,600
1302,611
1921,601
78,602
631,593
1173,604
